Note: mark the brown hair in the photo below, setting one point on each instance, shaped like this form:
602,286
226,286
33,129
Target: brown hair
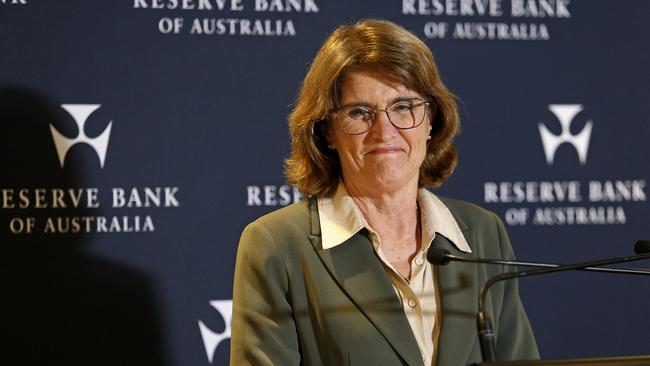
401,57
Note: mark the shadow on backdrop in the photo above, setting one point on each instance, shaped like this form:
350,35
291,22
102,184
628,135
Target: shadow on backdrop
61,305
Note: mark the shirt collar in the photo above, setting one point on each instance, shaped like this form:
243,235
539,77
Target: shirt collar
340,219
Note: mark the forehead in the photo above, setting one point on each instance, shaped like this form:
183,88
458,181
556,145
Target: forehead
372,87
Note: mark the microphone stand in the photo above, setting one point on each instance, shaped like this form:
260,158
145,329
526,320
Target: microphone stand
458,258
486,332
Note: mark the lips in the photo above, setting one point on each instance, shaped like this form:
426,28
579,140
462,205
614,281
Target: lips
384,150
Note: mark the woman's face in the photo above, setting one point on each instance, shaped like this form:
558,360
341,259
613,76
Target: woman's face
385,158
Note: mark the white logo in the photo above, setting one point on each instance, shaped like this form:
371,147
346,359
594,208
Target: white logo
14,2
80,113
212,339
580,141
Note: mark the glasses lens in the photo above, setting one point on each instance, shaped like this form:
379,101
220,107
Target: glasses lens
355,119
407,114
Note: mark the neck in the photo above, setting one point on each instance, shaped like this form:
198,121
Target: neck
385,201
393,215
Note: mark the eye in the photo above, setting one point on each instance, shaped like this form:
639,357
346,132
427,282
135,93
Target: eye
357,112
402,107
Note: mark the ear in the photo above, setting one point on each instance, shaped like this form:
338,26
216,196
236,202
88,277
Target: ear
432,114
326,130
433,110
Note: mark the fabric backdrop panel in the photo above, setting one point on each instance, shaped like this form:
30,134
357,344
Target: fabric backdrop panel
139,137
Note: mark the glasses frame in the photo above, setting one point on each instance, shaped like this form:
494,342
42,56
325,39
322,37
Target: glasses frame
334,113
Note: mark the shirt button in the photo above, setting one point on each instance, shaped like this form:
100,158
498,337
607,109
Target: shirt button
419,261
412,303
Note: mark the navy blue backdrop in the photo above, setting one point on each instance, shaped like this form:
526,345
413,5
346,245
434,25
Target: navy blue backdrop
139,137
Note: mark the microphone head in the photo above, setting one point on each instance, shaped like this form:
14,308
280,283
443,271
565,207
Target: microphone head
642,247
437,256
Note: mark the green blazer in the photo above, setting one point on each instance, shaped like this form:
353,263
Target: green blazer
297,304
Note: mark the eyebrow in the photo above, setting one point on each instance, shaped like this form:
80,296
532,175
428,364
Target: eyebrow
395,100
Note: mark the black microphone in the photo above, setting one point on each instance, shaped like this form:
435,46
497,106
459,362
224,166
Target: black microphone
642,246
441,256
486,334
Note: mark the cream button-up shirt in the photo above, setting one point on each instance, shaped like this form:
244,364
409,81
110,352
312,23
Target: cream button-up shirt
340,219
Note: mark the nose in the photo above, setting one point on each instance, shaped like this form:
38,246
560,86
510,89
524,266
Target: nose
382,129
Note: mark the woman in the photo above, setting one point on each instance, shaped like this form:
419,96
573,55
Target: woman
342,278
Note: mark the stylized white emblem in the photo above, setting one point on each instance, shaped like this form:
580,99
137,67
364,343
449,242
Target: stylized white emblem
580,141
14,2
80,113
212,339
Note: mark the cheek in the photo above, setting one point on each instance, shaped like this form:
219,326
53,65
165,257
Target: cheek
420,149
347,144
345,149
418,142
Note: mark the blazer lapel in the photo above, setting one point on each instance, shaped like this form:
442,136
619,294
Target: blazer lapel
459,305
355,267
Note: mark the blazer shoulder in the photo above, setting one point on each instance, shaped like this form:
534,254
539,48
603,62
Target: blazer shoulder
285,226
294,216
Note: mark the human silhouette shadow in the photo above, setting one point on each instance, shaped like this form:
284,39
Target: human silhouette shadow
61,305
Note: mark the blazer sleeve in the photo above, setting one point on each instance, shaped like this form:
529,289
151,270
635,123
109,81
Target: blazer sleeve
263,328
515,339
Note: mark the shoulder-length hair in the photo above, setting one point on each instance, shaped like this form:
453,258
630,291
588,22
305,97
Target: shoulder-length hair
400,56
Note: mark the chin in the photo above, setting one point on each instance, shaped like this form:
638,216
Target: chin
391,181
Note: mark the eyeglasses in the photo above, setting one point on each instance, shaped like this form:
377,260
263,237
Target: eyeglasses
403,115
